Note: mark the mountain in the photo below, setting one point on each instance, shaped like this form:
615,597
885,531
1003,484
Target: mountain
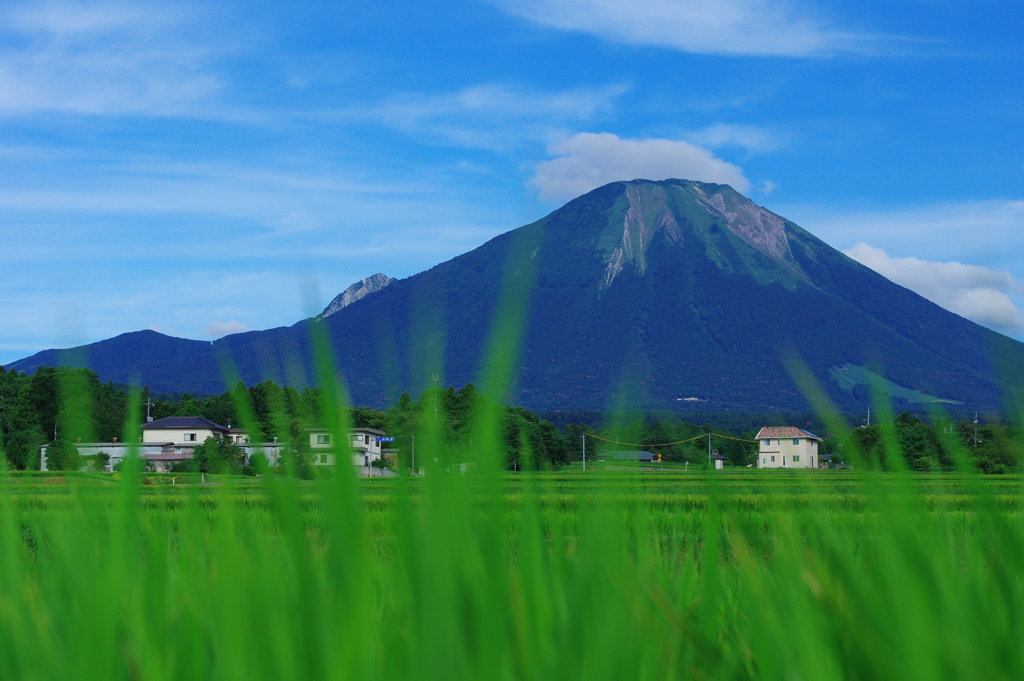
356,291
671,294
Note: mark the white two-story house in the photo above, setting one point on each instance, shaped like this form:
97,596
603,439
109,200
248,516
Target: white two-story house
787,447
182,430
365,444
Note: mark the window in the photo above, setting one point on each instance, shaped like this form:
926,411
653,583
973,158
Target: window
323,458
796,440
190,437
773,458
764,461
323,439
767,443
366,439
796,458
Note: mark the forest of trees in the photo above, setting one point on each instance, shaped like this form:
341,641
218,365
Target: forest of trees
65,406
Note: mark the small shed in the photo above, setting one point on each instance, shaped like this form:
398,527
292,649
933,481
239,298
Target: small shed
719,460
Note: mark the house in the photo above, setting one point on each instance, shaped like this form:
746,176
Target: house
787,447
174,438
365,445
169,440
182,430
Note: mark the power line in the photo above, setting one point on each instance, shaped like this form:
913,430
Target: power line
668,444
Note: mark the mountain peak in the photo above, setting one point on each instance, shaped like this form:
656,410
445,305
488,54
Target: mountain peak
356,291
687,214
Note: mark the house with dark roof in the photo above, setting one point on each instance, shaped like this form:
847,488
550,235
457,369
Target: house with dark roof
164,442
787,447
182,430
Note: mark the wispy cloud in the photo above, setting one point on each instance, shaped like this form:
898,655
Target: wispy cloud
166,330
101,58
219,329
989,231
727,27
752,138
488,116
588,160
978,293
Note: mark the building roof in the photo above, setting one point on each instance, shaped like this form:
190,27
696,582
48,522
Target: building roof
783,432
372,431
183,422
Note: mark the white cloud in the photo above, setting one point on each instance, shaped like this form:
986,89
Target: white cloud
218,329
589,160
978,293
732,27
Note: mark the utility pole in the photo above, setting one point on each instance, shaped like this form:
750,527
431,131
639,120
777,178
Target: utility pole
148,403
975,430
709,448
414,455
435,378
584,438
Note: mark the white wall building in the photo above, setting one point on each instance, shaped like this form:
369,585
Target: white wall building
182,430
174,438
366,445
787,447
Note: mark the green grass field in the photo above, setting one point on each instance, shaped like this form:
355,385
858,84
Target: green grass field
616,574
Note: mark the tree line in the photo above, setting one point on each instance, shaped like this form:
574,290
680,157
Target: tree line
992,446
70,405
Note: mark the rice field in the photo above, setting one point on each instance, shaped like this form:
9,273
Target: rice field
638,575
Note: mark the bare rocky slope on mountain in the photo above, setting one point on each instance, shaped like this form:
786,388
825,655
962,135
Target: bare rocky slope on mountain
356,291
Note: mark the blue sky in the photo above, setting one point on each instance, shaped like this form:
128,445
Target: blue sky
203,168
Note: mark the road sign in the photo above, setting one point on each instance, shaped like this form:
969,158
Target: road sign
385,439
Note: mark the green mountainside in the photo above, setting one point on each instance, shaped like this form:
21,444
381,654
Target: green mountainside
660,295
